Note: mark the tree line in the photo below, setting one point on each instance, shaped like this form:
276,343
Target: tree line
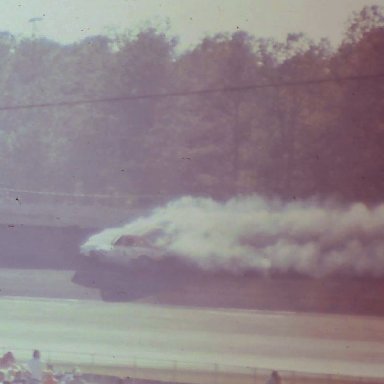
289,136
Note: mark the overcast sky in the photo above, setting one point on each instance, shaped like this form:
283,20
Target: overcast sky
190,20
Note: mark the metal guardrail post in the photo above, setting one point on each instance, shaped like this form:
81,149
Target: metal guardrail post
174,371
216,373
255,375
134,368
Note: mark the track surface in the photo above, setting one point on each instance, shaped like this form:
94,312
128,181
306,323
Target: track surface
74,329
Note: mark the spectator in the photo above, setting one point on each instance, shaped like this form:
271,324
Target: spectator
35,368
49,378
77,379
3,378
66,378
274,378
18,377
7,360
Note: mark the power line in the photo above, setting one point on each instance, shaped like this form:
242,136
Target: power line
61,194
206,91
76,195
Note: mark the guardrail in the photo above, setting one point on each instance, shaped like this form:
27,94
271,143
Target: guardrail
178,370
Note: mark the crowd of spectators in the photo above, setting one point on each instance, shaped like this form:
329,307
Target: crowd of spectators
34,372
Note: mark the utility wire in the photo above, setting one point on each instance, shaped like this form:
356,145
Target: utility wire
250,87
207,91
61,194
77,195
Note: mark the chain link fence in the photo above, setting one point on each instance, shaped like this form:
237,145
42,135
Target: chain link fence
113,369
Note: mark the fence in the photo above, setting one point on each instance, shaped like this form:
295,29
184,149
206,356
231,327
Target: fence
178,371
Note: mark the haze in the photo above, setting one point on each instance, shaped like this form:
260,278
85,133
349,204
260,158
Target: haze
176,155
67,21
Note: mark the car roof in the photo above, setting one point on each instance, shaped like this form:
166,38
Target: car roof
132,241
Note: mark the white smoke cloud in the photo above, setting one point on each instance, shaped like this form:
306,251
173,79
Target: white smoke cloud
254,233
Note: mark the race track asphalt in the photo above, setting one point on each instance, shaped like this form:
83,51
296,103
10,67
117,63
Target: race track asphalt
77,326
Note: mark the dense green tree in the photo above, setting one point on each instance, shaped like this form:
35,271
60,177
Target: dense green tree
277,139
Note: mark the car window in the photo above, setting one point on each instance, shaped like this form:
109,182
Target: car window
131,241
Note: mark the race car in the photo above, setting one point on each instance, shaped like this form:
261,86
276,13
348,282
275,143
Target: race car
129,266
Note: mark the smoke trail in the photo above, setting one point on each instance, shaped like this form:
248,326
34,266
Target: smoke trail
254,233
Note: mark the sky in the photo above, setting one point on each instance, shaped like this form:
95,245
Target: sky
67,21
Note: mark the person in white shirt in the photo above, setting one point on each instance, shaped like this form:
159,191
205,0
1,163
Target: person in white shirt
35,368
